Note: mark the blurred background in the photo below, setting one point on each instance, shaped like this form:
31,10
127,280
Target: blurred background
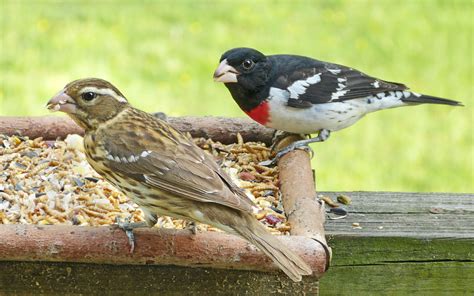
162,54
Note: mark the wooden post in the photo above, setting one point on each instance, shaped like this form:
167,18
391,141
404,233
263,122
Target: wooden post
305,214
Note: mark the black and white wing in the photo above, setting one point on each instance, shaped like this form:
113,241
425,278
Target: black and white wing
325,83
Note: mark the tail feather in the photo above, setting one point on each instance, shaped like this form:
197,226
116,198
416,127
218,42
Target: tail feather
291,264
422,99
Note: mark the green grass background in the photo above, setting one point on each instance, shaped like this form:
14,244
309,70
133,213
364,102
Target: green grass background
161,55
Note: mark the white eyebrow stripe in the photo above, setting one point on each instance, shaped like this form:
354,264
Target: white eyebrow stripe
103,91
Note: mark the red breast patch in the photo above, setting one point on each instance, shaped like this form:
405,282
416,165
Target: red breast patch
260,113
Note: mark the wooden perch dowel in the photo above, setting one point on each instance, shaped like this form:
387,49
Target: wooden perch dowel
305,214
109,245
219,129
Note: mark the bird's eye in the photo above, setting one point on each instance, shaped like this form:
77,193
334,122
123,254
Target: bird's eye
89,96
247,64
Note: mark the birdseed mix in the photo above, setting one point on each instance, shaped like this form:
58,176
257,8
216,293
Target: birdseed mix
50,182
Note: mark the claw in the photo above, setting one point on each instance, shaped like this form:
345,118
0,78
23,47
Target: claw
269,162
126,226
302,144
294,146
131,239
192,226
309,150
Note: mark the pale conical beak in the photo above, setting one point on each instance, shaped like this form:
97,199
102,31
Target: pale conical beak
62,102
225,73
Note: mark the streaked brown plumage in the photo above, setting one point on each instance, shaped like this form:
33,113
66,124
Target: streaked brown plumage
162,170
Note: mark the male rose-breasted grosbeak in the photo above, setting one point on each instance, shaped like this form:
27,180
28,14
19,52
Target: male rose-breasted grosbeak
302,95
162,170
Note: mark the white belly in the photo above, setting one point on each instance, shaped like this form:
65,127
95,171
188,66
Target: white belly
330,116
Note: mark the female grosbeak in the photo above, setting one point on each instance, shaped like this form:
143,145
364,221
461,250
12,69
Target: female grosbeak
162,170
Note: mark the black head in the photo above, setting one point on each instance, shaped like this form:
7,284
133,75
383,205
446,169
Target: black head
245,72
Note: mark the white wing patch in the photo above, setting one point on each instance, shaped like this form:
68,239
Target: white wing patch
299,87
334,71
103,91
145,153
340,89
130,159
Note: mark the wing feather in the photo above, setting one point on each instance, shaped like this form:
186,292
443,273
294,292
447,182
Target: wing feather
172,163
335,83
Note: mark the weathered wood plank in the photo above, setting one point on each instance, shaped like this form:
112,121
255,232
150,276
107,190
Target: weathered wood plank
410,243
422,215
386,250
441,278
53,278
407,202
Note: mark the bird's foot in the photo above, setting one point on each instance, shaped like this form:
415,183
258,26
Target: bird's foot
289,148
279,136
192,226
302,144
128,227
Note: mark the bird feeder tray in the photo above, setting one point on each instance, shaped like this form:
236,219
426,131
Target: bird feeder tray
85,259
